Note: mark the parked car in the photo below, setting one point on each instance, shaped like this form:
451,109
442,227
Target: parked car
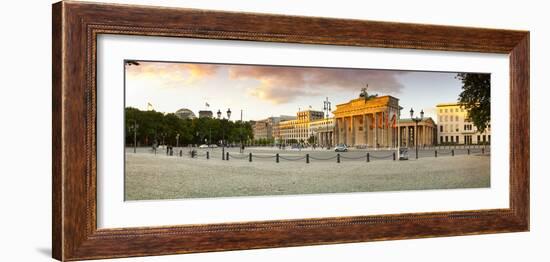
341,148
214,146
203,146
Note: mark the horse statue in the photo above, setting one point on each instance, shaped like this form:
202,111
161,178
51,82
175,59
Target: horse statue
364,94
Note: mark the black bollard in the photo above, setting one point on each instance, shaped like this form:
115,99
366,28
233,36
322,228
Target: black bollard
482,150
435,153
223,154
227,156
307,158
277,158
207,155
249,157
393,156
368,157
338,158
181,153
468,151
453,152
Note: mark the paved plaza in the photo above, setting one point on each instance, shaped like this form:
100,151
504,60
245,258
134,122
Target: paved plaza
160,176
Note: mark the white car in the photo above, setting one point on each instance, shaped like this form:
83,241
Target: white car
341,148
203,146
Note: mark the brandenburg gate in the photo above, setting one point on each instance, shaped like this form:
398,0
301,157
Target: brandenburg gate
367,122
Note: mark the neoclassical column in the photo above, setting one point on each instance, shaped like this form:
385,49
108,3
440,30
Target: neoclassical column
421,142
370,134
345,133
352,126
389,127
383,131
375,129
365,129
415,140
423,135
426,134
336,131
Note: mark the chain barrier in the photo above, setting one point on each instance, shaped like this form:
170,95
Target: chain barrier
264,157
353,158
367,156
292,159
239,157
323,159
382,157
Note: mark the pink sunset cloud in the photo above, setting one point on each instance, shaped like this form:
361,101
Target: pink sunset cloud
275,84
284,84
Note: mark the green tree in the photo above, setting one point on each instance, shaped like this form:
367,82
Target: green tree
476,98
155,127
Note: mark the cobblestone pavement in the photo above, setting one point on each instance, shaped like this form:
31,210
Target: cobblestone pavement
159,176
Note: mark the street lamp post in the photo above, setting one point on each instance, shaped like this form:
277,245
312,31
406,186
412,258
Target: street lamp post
177,140
327,108
219,113
219,117
416,121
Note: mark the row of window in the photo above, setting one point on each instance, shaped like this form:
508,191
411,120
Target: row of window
448,119
467,139
450,110
450,129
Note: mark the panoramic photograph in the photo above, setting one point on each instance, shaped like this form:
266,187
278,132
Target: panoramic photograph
206,130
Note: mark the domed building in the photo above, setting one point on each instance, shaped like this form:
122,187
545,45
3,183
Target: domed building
185,113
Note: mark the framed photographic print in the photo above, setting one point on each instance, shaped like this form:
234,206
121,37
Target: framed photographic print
180,130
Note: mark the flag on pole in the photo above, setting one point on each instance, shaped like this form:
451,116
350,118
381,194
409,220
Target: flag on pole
207,105
150,107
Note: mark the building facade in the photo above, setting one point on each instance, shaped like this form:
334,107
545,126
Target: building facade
205,113
185,113
367,122
323,131
454,127
269,128
298,130
426,131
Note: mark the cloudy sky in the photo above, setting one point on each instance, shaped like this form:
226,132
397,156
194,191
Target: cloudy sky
263,91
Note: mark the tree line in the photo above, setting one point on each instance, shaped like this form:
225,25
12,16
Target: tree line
476,98
156,128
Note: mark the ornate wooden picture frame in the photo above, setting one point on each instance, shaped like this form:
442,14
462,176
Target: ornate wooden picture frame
76,26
